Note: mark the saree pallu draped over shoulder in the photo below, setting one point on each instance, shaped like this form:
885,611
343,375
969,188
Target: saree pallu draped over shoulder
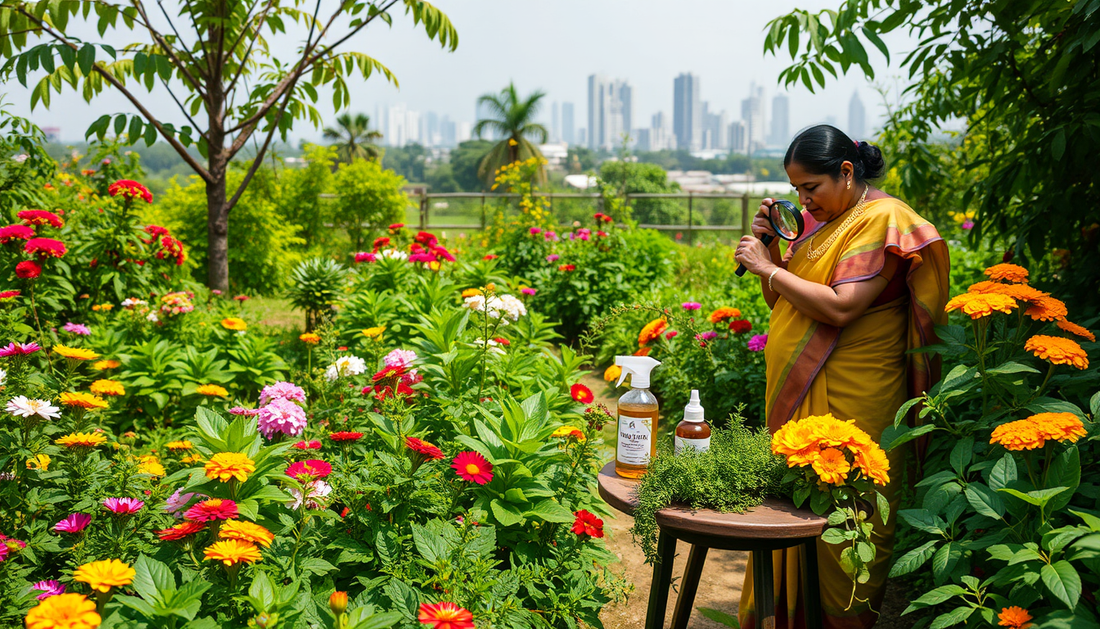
860,372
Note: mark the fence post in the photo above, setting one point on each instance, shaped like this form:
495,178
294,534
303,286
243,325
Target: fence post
483,211
423,211
745,213
691,234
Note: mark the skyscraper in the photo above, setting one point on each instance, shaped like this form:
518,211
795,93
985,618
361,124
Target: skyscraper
857,118
737,136
610,111
567,125
555,123
687,110
752,112
781,133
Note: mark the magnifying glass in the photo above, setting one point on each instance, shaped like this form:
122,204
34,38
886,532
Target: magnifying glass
786,220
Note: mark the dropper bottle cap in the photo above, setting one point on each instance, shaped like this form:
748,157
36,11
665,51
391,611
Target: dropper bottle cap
693,412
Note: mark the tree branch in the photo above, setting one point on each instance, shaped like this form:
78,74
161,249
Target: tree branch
183,109
255,36
163,43
259,158
179,37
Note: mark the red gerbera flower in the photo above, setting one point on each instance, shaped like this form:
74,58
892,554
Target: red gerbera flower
581,393
389,372
40,217
740,326
131,189
346,436
567,267
180,531
212,509
490,256
313,468
587,524
381,241
471,466
445,616
397,226
45,247
8,294
28,270
423,448
426,239
307,445
22,232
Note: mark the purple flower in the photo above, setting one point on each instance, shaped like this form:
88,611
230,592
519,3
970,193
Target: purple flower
757,342
76,328
75,523
706,336
177,503
968,224
535,230
123,506
281,390
691,305
49,588
240,410
282,417
527,291
553,257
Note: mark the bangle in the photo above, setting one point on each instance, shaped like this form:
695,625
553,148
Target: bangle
777,269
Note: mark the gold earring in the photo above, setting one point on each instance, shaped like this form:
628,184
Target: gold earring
849,186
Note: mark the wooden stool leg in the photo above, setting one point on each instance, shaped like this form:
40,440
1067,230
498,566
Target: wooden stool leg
811,585
662,580
690,585
763,588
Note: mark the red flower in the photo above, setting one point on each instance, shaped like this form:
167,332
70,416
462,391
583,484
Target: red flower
171,248
446,616
45,247
490,257
601,233
471,466
241,298
503,341
389,372
581,393
22,232
212,509
381,241
313,469
740,326
180,531
426,239
130,189
40,217
8,294
346,436
423,448
671,334
643,351
307,445
156,231
587,524
396,226
567,267
28,270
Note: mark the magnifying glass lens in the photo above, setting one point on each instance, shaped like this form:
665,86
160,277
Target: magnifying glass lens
784,217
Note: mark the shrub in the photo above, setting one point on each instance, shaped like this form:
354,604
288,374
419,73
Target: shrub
299,196
369,199
316,284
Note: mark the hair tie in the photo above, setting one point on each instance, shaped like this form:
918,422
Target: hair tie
857,143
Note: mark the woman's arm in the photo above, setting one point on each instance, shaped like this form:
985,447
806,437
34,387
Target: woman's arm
762,225
771,296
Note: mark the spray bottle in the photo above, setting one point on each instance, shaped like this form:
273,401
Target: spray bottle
637,411
693,432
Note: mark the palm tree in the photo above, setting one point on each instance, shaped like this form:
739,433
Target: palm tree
354,138
512,119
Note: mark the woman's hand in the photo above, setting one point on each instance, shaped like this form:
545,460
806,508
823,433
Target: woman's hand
754,255
761,223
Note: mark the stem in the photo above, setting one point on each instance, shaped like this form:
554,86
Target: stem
1050,372
38,324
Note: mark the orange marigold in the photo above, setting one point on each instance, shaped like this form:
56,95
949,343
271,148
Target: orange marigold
1047,308
1079,330
873,463
721,314
796,441
1014,617
247,532
1019,292
232,551
612,373
1007,273
1057,350
832,466
652,330
1018,435
71,611
978,305
1059,426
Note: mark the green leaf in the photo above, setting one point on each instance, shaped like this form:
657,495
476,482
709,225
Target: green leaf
913,559
883,506
945,560
550,511
1064,471
960,455
1063,582
834,536
721,618
1039,497
893,436
262,589
151,577
952,618
1003,473
1058,144
1010,368
935,597
86,58
505,513
873,37
899,417
985,501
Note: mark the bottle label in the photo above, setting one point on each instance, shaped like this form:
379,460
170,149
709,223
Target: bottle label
635,435
702,445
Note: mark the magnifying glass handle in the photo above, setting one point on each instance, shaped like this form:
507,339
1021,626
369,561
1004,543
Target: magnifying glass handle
767,240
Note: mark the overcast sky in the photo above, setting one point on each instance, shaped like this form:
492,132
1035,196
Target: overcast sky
554,46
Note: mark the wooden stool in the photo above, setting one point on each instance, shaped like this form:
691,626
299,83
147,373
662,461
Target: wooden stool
774,525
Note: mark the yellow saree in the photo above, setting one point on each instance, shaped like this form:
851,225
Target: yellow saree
859,372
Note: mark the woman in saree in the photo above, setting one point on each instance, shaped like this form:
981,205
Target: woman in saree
865,282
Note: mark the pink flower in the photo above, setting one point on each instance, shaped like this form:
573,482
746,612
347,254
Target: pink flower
441,252
757,342
177,503
76,328
282,390
248,412
19,349
48,589
123,506
282,416
553,257
968,224
311,470
422,257
535,230
45,247
365,256
307,445
671,334
550,236
75,523
691,305
399,358
528,291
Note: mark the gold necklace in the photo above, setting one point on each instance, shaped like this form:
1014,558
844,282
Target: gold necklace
857,211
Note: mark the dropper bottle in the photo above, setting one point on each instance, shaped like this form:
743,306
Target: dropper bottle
693,432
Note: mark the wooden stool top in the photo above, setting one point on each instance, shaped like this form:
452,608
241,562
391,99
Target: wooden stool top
775,519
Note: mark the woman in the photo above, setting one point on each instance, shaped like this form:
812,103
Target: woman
866,282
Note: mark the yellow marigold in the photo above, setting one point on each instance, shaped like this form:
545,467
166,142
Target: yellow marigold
1059,426
81,439
75,353
978,305
721,314
104,575
1019,292
107,387
831,466
309,338
150,464
194,458
82,400
211,390
104,365
873,463
375,332
1057,350
246,532
234,323
63,611
471,292
569,431
834,433
652,330
233,551
39,462
1047,309
1007,273
179,445
1018,435
796,441
226,465
612,373
1079,330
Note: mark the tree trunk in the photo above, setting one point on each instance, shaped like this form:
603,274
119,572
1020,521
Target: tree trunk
217,233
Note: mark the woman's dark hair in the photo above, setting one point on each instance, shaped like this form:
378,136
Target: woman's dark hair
821,150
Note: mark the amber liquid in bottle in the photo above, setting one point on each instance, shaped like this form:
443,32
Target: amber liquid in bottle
692,435
637,433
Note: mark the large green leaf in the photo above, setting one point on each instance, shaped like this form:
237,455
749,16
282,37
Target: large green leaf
1063,582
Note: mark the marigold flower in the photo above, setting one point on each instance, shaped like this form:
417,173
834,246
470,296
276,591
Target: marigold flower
224,466
232,552
585,523
445,616
471,292
375,332
978,305
130,189
724,313
194,458
569,432
179,445
581,393
74,353
1018,435
1014,617
64,611
82,400
472,467
104,365
567,267
423,448
1073,328
28,270
45,247
181,530
873,463
104,575
652,330
234,323
642,351
107,387
81,439
831,466
150,464
247,532
1047,309
1008,273
211,390
212,509
612,373
338,602
1057,350
1059,426
309,338
346,436
1019,292
797,441
40,217
310,469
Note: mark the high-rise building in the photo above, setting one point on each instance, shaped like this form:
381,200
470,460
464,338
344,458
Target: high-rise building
660,135
555,123
737,139
752,112
582,136
715,136
463,132
857,118
781,132
686,112
567,126
642,141
610,111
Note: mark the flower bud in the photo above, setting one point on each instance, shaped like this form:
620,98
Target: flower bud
338,602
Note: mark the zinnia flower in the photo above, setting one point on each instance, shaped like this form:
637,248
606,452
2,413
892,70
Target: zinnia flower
740,326
309,338
346,436
9,294
40,217
1057,351
107,387
282,390
81,440
1007,273
232,552
130,189
212,509
45,247
247,412
311,494
76,328
345,366
211,390
472,467
423,448
691,305
48,589
104,575
1018,435
123,506
724,313
567,267
82,400
586,523
797,441
181,531
282,416
28,270
307,445
151,465
13,232
179,445
1014,617
224,466
375,332
873,463
234,323
247,532
104,365
612,373
64,611
978,305
22,406
1047,309
652,330
74,353
1073,328
445,616
311,469
581,393
757,343
569,432
1059,426
831,466
75,523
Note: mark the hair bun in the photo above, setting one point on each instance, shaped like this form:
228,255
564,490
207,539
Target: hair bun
874,166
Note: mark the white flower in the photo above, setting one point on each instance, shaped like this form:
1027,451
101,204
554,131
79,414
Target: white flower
399,358
502,307
3,377
315,492
394,253
23,407
513,307
19,159
130,302
152,316
345,366
494,347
